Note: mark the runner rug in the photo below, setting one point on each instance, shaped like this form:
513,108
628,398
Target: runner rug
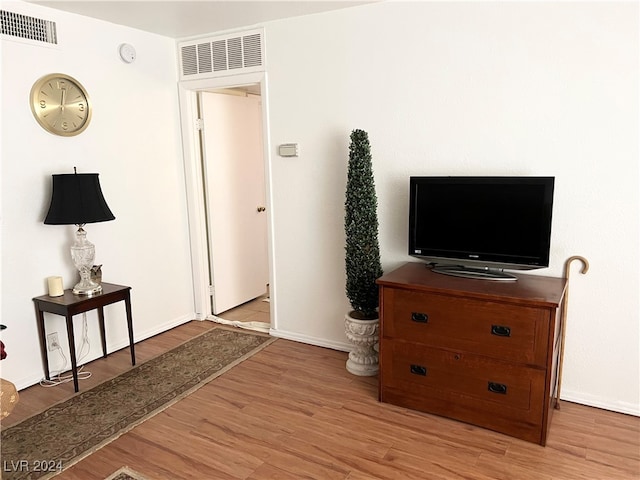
45,444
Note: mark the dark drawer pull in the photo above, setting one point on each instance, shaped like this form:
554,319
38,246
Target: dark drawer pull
498,388
419,317
419,370
500,331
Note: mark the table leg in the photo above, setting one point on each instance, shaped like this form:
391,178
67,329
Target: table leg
72,351
103,337
127,303
43,342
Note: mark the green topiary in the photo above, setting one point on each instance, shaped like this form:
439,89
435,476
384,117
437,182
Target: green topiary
362,256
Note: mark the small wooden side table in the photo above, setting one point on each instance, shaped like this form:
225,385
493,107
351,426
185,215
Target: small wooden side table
69,305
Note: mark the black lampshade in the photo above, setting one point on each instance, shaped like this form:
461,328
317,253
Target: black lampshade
77,199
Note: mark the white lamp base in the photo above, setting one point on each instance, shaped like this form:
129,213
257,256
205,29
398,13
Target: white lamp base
83,253
91,289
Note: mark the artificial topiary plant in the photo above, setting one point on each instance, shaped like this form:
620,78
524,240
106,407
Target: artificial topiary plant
362,256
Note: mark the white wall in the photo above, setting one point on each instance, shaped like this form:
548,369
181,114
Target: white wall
465,88
133,142
442,88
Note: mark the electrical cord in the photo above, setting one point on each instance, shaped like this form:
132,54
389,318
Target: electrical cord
58,378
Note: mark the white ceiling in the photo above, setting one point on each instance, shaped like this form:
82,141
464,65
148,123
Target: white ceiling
179,19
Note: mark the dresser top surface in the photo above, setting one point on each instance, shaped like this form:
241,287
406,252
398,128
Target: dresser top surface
534,290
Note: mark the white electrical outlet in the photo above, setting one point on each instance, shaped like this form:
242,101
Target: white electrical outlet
52,341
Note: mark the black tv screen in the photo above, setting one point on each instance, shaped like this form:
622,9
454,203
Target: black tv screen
481,223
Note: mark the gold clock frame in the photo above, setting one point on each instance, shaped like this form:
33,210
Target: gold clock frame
63,123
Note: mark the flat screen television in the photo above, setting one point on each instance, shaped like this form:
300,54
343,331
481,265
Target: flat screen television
479,226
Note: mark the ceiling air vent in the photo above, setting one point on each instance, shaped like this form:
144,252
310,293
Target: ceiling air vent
204,57
240,52
31,28
252,50
189,60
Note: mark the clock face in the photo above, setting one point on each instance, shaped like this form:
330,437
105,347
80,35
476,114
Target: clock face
60,104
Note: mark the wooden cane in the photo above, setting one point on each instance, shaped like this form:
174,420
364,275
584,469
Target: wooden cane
563,318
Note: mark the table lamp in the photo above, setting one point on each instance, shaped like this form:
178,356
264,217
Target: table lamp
77,199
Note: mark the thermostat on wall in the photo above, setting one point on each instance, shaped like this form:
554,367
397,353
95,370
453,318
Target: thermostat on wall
288,150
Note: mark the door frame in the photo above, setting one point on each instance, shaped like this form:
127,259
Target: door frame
194,179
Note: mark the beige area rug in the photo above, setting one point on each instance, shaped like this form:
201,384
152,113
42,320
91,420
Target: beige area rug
45,444
125,473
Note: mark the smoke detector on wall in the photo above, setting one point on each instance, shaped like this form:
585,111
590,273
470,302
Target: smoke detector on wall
127,53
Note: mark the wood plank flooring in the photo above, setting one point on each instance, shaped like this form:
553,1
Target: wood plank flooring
292,411
256,310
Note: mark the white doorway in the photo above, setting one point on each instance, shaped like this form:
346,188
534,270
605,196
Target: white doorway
212,246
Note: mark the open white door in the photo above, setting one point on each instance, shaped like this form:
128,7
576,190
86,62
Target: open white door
235,197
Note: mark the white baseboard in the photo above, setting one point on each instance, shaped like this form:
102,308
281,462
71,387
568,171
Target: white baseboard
157,329
597,402
318,342
34,379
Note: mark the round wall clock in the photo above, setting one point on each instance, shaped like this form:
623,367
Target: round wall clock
60,104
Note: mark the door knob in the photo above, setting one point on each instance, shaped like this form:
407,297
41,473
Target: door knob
261,209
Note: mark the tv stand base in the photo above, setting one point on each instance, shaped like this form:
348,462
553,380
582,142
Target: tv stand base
478,273
484,353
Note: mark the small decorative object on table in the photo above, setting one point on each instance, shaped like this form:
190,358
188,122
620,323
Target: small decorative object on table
55,286
96,274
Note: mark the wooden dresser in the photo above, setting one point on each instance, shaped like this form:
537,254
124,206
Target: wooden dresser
482,352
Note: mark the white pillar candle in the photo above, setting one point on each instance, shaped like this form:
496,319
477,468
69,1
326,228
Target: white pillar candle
55,286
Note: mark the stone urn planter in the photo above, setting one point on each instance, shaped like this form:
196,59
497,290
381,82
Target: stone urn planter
363,335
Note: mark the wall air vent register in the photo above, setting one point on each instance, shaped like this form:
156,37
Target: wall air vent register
222,55
30,28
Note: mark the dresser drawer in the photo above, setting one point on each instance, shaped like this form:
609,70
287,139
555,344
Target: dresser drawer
481,352
475,389
500,330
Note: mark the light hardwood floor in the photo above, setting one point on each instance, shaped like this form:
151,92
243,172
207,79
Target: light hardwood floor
292,411
256,310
